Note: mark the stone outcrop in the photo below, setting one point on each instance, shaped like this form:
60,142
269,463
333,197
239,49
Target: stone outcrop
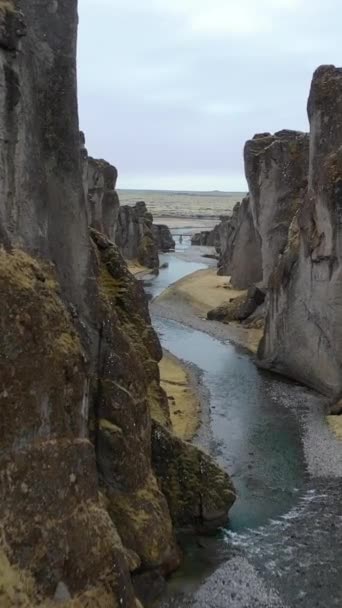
239,308
163,237
276,170
102,199
81,510
252,240
207,238
303,336
130,228
199,494
240,247
134,235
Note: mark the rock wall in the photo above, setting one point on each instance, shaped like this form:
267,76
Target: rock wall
240,247
163,237
131,228
276,170
134,235
79,377
103,203
303,336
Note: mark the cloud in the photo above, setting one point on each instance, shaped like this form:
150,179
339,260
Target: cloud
171,89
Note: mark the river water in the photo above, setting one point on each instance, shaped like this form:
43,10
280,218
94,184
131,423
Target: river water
256,434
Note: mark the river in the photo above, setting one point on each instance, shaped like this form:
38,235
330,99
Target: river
274,551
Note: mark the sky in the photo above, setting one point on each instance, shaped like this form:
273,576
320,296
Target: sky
170,90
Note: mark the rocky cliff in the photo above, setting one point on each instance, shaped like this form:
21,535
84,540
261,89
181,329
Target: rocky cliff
103,203
134,235
81,507
252,240
240,247
303,331
276,170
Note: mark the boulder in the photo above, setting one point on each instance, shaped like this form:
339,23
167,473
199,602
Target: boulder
239,308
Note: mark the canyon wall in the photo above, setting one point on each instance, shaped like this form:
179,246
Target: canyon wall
240,247
103,203
81,507
134,235
252,240
276,170
303,336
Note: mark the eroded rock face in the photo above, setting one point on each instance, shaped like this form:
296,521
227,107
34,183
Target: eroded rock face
163,237
41,197
81,508
128,390
53,523
303,336
276,170
240,247
102,199
207,238
134,235
198,492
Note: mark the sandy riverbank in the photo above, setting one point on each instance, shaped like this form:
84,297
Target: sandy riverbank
194,295
137,269
185,407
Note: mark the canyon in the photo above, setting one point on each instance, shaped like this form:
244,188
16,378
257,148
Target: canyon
82,518
98,491
284,239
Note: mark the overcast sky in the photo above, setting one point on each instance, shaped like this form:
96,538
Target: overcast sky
169,90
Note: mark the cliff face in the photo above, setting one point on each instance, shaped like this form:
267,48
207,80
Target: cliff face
303,336
102,199
240,247
79,382
134,235
276,171
130,228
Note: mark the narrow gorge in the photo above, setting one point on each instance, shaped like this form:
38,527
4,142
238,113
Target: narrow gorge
81,516
168,412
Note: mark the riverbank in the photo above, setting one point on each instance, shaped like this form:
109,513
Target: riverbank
183,395
137,269
189,299
253,447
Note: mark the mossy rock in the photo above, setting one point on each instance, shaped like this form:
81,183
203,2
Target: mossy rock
198,491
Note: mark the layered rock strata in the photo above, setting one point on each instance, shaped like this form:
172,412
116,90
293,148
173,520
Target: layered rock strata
81,507
303,336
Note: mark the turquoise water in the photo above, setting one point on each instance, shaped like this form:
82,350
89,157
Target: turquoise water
253,436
